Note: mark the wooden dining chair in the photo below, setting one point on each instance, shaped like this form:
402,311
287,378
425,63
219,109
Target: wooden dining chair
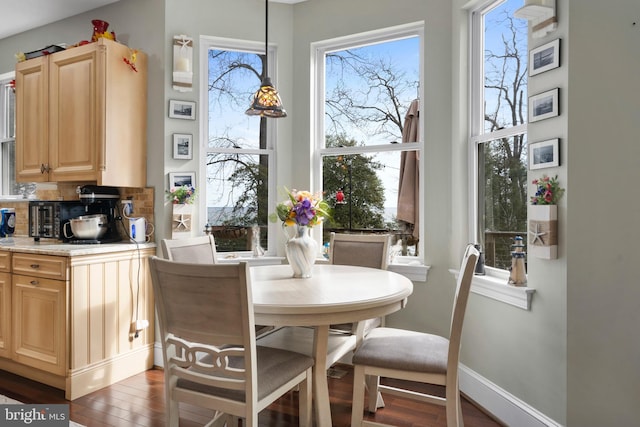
365,250
211,359
197,250
414,356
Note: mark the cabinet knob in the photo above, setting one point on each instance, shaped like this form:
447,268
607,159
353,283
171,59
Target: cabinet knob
35,266
34,283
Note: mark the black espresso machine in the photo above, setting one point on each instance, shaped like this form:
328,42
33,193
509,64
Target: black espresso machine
47,219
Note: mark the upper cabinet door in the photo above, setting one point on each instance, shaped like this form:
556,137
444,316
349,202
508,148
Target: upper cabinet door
73,122
32,120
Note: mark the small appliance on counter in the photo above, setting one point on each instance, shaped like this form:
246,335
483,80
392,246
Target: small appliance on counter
93,216
7,222
138,229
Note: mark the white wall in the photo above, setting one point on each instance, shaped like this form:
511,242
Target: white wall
603,157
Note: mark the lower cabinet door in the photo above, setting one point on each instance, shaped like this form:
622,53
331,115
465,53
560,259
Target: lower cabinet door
39,323
5,315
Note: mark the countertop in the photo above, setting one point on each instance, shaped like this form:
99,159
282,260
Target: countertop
56,247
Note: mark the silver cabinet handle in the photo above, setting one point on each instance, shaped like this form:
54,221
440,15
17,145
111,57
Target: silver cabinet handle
35,266
35,283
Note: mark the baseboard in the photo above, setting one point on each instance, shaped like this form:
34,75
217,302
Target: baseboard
157,355
501,404
107,372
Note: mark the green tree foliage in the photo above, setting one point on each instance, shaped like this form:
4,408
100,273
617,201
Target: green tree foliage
356,176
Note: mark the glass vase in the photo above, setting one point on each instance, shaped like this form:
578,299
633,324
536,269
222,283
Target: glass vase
301,252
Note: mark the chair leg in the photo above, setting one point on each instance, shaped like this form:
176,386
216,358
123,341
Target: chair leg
375,398
357,402
305,413
454,407
173,413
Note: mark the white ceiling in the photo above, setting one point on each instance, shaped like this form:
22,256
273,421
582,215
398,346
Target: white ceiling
28,14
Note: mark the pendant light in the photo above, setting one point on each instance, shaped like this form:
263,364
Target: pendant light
266,101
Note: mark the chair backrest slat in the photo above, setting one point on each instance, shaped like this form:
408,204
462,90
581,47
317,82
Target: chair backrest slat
196,250
364,250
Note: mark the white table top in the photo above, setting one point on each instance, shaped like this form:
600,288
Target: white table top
334,294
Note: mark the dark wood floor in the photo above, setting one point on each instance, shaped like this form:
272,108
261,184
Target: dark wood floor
139,401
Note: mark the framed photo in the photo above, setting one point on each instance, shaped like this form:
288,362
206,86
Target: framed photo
544,58
178,179
182,146
544,154
182,110
543,105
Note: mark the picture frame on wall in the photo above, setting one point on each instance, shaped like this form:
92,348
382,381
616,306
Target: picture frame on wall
182,110
182,146
544,154
544,58
178,179
544,105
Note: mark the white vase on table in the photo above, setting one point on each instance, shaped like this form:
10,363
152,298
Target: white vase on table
301,252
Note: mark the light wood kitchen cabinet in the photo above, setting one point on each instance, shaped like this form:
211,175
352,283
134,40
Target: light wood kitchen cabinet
39,324
70,321
81,116
39,311
5,304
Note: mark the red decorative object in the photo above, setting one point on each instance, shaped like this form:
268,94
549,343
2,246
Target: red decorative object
131,61
12,85
100,30
340,197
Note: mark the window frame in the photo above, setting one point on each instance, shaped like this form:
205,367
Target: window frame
494,284
317,110
5,138
223,43
477,133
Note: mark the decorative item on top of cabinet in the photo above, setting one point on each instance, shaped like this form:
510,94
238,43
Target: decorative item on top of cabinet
93,125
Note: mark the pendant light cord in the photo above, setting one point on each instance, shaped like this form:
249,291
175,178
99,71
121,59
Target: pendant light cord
265,72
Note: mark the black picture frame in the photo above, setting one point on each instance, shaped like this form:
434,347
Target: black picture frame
544,58
182,146
185,110
544,154
544,105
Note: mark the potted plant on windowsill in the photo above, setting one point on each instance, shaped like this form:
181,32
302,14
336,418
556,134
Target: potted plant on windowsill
543,218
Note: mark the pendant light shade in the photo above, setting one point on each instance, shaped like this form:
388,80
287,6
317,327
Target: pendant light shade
266,101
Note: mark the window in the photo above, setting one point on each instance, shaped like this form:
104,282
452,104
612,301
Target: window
365,84
238,151
498,129
8,139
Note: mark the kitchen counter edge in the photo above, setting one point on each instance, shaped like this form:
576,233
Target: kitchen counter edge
56,247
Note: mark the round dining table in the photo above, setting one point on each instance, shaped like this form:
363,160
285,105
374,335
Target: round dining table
334,294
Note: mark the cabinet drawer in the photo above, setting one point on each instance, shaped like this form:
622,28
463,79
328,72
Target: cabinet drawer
5,261
52,267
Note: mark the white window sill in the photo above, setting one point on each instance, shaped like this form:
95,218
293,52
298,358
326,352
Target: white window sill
494,285
413,270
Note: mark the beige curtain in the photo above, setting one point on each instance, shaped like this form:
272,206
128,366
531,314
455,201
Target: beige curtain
409,187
